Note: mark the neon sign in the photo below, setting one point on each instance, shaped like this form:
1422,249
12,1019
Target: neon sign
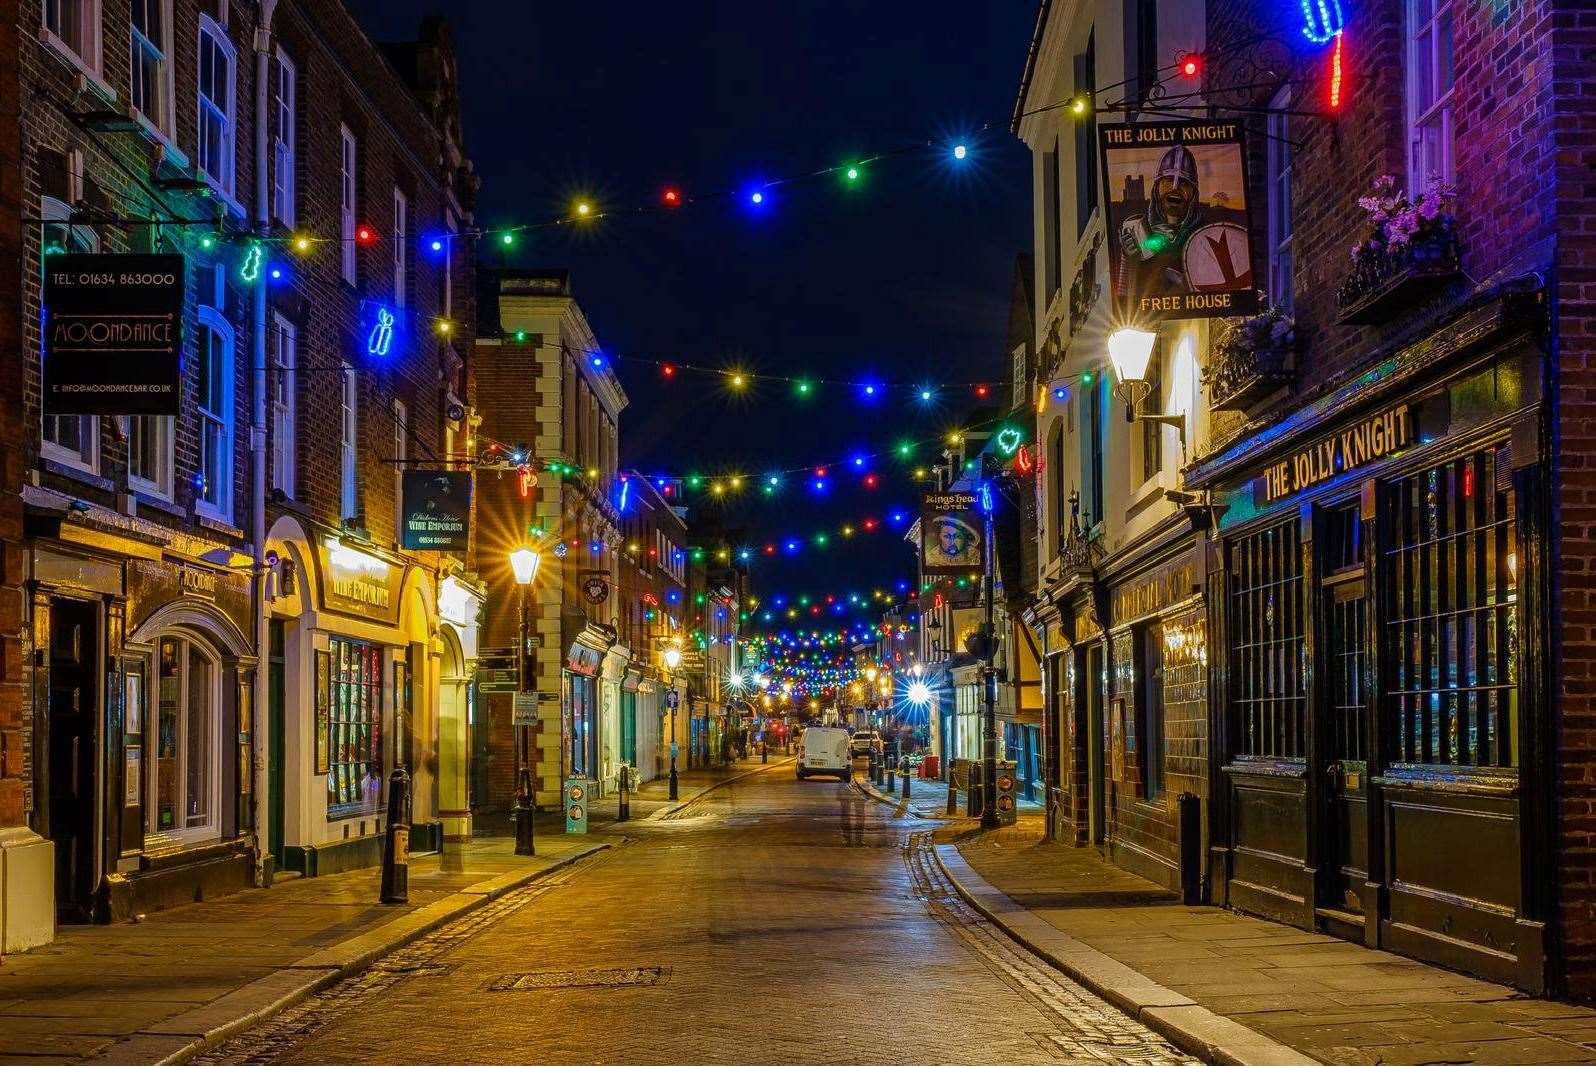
381,337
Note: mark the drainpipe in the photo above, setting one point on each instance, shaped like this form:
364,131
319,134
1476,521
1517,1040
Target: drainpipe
257,440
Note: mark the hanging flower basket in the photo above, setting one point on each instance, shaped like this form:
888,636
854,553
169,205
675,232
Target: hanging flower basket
1253,357
1409,253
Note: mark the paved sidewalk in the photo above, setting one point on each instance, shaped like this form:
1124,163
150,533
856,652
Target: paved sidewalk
175,982
1334,1001
927,798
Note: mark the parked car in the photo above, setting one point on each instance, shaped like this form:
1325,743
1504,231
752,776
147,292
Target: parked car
863,742
824,750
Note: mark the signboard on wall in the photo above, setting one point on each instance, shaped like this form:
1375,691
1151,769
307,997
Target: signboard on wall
437,510
113,334
356,582
951,534
1179,241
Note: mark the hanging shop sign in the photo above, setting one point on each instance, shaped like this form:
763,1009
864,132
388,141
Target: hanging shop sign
113,334
1180,241
358,583
1365,441
951,537
596,589
437,510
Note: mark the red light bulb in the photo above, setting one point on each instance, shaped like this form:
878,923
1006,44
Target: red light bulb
668,370
365,234
671,197
981,390
1190,66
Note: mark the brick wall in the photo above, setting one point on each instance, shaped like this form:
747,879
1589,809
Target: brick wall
1556,162
345,80
14,705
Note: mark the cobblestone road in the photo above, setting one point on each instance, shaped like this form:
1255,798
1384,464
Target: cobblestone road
775,921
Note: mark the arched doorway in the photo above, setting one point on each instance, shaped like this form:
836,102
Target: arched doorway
455,704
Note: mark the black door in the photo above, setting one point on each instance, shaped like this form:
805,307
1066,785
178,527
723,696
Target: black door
74,649
1346,772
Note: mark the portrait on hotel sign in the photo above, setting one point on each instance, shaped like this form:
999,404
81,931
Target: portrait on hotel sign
951,534
1179,243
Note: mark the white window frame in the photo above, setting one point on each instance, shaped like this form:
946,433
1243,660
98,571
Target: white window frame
225,419
1278,165
451,226
285,98
182,835
1424,23
282,355
88,52
87,456
401,452
348,180
159,486
162,116
227,115
400,238
349,435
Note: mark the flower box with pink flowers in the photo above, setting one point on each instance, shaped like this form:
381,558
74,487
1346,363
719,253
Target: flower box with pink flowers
1407,253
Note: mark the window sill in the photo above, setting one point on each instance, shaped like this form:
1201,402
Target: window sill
217,191
156,500
90,76
344,814
175,156
1147,493
75,472
215,522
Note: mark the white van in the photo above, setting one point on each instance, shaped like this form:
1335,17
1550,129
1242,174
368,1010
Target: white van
824,750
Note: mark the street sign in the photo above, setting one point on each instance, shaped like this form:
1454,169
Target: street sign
525,709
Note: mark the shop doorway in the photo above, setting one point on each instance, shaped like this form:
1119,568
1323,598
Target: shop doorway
275,689
1096,743
74,748
1345,794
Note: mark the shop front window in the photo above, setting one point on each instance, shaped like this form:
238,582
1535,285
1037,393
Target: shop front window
189,703
354,775
1452,633
1266,620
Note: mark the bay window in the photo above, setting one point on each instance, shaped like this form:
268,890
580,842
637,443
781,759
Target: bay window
183,781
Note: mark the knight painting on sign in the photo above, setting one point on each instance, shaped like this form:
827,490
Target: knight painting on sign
1179,244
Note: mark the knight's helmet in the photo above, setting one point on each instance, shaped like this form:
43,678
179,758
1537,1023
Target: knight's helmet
1179,165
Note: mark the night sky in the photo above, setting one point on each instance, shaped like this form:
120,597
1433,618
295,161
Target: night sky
905,275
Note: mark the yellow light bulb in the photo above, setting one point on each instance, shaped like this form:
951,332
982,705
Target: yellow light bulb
738,381
444,326
583,208
301,243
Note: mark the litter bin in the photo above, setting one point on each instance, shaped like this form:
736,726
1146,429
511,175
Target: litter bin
930,770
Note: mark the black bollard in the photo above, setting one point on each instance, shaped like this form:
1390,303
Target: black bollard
625,810
764,751
525,811
953,799
396,843
904,765
870,765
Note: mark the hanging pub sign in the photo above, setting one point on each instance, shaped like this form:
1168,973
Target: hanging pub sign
1179,242
437,509
950,534
596,589
113,334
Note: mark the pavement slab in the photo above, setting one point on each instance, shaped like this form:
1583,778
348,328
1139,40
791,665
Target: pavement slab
1329,999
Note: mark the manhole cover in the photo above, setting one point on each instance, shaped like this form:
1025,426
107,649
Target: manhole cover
517,982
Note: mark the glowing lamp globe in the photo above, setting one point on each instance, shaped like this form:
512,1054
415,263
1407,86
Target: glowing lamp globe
919,693
524,561
673,658
1130,350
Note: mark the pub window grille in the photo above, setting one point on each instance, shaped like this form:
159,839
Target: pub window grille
1452,633
1266,612
354,778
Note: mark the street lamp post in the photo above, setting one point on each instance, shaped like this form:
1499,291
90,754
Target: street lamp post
524,562
673,659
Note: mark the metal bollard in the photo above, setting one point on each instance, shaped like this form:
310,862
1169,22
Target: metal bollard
870,765
904,766
625,800
953,798
396,842
764,752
